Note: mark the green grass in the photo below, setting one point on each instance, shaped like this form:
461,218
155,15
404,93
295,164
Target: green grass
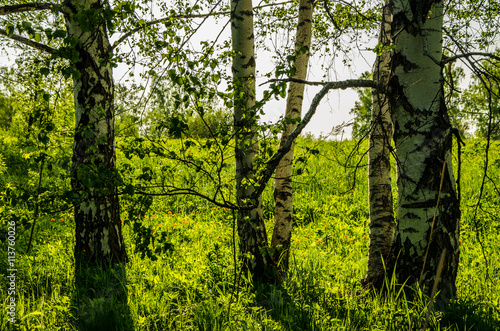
189,283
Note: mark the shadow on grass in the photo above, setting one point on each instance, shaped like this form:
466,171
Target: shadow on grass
100,299
281,307
470,315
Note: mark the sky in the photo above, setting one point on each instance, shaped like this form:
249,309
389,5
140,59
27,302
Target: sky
334,108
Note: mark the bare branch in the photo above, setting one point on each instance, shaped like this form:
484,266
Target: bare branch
172,191
478,72
25,7
295,80
470,54
275,159
28,42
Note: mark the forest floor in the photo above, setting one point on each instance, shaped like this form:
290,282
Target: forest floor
181,273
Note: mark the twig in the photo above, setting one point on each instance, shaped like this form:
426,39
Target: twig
470,54
295,80
164,19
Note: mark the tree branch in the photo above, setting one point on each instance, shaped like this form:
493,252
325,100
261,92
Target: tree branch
276,158
470,54
172,191
24,7
161,20
295,80
28,42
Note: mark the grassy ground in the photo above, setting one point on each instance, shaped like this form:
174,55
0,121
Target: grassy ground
184,278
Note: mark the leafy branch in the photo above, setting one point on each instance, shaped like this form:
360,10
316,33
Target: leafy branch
28,42
26,7
184,16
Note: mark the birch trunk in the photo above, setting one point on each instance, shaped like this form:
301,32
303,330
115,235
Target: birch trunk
99,239
283,191
251,226
379,165
423,139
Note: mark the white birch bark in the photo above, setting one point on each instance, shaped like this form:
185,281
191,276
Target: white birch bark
99,239
283,191
423,140
379,165
251,226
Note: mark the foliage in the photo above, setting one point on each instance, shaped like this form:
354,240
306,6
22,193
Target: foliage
453,76
335,28
467,29
35,143
172,113
362,111
191,286
481,101
127,111
179,276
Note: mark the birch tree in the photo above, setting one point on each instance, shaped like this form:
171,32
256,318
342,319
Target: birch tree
251,227
379,165
428,210
97,217
283,191
99,239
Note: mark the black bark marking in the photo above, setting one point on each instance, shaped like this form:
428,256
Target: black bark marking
401,60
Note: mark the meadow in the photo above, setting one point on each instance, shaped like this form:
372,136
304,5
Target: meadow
182,273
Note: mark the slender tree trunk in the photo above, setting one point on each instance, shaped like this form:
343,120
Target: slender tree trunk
283,191
428,211
99,239
251,226
379,165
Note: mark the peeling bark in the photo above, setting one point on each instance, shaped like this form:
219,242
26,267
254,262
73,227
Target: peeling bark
99,239
283,191
251,226
423,139
379,165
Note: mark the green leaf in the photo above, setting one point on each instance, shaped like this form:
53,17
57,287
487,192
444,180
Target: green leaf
59,33
26,25
129,189
50,127
43,138
9,29
44,71
77,74
48,33
172,74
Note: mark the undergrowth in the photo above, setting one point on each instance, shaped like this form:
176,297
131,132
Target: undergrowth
181,274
